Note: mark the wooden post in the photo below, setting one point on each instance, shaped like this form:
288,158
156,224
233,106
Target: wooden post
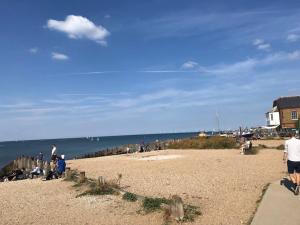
23,162
29,163
68,172
101,181
177,207
81,177
15,166
46,169
25,159
17,163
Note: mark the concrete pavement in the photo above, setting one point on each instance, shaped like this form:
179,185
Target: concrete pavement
279,206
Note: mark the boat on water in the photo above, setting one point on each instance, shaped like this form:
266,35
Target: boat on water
202,134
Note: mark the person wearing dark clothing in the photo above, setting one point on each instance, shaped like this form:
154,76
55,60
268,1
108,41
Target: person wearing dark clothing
61,166
17,175
40,156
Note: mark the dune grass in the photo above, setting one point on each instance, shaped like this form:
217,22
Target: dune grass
215,142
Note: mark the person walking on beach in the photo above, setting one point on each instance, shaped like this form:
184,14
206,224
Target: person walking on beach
53,153
291,156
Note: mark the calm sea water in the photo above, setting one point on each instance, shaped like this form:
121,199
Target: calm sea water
72,147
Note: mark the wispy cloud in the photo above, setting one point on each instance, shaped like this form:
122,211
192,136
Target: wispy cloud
79,27
95,72
248,65
166,71
293,37
260,44
189,65
33,50
59,56
235,28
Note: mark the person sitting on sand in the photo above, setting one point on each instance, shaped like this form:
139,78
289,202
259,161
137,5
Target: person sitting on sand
52,173
291,156
36,171
17,175
61,165
246,144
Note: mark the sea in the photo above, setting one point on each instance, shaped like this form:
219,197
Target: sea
72,147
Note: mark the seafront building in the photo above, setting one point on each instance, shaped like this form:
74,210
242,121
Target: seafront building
284,113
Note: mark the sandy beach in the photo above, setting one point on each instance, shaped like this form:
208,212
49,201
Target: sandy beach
223,183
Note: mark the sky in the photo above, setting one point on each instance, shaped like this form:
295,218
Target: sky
98,68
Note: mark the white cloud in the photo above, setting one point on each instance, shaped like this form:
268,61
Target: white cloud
79,27
265,47
235,68
59,56
189,65
166,71
294,55
107,16
293,37
260,44
249,65
33,50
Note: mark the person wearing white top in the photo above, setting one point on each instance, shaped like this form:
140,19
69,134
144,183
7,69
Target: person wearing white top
291,156
36,171
53,152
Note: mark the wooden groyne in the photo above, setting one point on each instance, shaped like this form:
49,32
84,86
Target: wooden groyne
24,162
124,149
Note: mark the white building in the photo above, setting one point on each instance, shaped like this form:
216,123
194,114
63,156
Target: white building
273,118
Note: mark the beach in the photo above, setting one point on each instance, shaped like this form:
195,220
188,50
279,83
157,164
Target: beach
222,183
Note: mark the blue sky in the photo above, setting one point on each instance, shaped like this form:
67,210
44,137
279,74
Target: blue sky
128,67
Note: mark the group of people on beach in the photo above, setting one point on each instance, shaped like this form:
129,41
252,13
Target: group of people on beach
57,165
55,169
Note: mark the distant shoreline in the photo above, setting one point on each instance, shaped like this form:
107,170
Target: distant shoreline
72,147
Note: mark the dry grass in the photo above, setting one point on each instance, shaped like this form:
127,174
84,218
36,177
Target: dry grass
205,143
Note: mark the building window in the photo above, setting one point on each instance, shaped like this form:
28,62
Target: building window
271,116
294,115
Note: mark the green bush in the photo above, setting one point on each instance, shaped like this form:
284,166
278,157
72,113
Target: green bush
98,191
108,188
215,142
130,197
153,204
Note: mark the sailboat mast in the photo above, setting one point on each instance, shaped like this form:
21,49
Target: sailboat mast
218,120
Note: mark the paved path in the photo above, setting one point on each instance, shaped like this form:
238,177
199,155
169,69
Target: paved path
279,206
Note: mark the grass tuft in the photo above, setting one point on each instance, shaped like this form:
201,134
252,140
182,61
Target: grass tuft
73,176
99,191
130,197
153,204
190,212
